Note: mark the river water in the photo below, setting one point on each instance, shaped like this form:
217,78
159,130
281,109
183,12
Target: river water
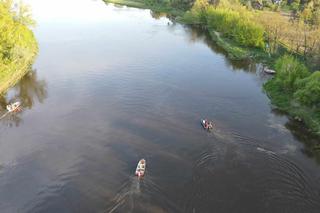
112,85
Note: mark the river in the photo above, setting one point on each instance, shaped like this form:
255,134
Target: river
112,85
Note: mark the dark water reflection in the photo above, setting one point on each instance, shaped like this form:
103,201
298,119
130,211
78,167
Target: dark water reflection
119,86
197,34
302,134
28,91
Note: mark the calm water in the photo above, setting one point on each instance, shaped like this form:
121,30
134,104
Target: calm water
113,85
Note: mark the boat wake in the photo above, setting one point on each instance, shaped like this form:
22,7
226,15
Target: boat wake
285,183
4,115
142,195
125,196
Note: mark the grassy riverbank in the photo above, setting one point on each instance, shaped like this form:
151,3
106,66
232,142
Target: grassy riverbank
137,4
11,75
18,46
238,52
296,91
285,102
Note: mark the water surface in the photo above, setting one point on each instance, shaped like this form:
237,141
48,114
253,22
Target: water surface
112,85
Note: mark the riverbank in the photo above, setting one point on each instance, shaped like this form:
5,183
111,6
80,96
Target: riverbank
296,91
237,51
233,50
13,73
18,46
285,103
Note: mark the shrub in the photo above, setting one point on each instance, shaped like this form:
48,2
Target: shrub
16,39
308,92
289,70
18,46
237,25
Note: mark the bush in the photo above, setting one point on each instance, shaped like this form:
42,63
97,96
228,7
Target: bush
237,25
18,45
308,92
289,70
16,39
197,14
235,22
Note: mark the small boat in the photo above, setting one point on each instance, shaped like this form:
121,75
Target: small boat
269,71
141,168
13,107
207,125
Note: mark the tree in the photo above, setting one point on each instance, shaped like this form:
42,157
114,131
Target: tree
18,45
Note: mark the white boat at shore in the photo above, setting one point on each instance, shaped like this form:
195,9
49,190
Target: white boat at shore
141,168
269,71
13,107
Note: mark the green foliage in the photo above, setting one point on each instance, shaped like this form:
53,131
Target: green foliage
199,8
296,91
308,92
237,25
197,14
233,21
235,52
295,6
277,96
289,70
18,45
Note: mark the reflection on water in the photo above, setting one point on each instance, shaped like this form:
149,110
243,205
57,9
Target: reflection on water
311,142
158,15
28,91
195,34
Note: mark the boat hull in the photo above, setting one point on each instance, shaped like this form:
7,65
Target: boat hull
141,168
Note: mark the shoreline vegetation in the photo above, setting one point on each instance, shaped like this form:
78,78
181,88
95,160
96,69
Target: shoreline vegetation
281,35
18,46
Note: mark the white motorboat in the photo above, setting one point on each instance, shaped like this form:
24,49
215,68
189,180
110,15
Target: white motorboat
141,168
269,71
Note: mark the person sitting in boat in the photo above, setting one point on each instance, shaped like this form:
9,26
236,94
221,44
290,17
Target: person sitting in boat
206,124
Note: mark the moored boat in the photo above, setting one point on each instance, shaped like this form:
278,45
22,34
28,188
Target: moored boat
141,168
269,71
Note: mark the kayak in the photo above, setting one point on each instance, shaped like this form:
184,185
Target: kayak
13,107
141,168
